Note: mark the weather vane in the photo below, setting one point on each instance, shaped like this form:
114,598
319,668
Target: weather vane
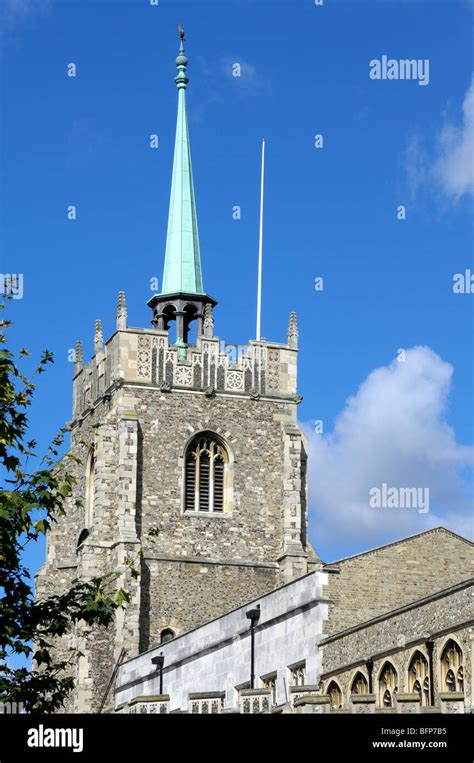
181,32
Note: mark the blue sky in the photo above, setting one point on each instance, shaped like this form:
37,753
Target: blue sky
330,212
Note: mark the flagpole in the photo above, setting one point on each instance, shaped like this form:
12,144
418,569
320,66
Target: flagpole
260,242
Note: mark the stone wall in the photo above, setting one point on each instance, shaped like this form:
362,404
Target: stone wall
377,581
196,592
215,658
397,635
252,430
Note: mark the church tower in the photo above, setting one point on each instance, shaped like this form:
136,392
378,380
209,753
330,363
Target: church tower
190,436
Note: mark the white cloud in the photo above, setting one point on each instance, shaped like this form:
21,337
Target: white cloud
416,165
228,79
17,13
235,68
454,167
448,167
391,431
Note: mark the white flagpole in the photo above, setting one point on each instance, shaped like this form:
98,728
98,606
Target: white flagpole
260,240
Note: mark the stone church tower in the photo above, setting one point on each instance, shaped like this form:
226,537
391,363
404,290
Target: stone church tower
186,436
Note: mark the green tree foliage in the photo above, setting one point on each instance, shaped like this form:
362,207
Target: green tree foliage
30,501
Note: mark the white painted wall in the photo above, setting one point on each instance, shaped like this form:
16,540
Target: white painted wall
216,656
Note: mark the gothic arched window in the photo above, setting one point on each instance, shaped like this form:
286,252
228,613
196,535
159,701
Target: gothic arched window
90,487
359,684
452,669
418,678
335,695
206,474
387,685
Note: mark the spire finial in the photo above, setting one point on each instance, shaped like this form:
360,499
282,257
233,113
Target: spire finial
293,332
98,337
181,62
121,315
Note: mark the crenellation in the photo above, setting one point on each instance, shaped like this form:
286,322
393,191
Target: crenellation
144,356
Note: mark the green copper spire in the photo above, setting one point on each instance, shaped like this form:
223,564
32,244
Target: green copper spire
182,271
182,299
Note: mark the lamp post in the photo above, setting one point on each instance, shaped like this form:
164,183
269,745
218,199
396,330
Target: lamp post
253,615
159,662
